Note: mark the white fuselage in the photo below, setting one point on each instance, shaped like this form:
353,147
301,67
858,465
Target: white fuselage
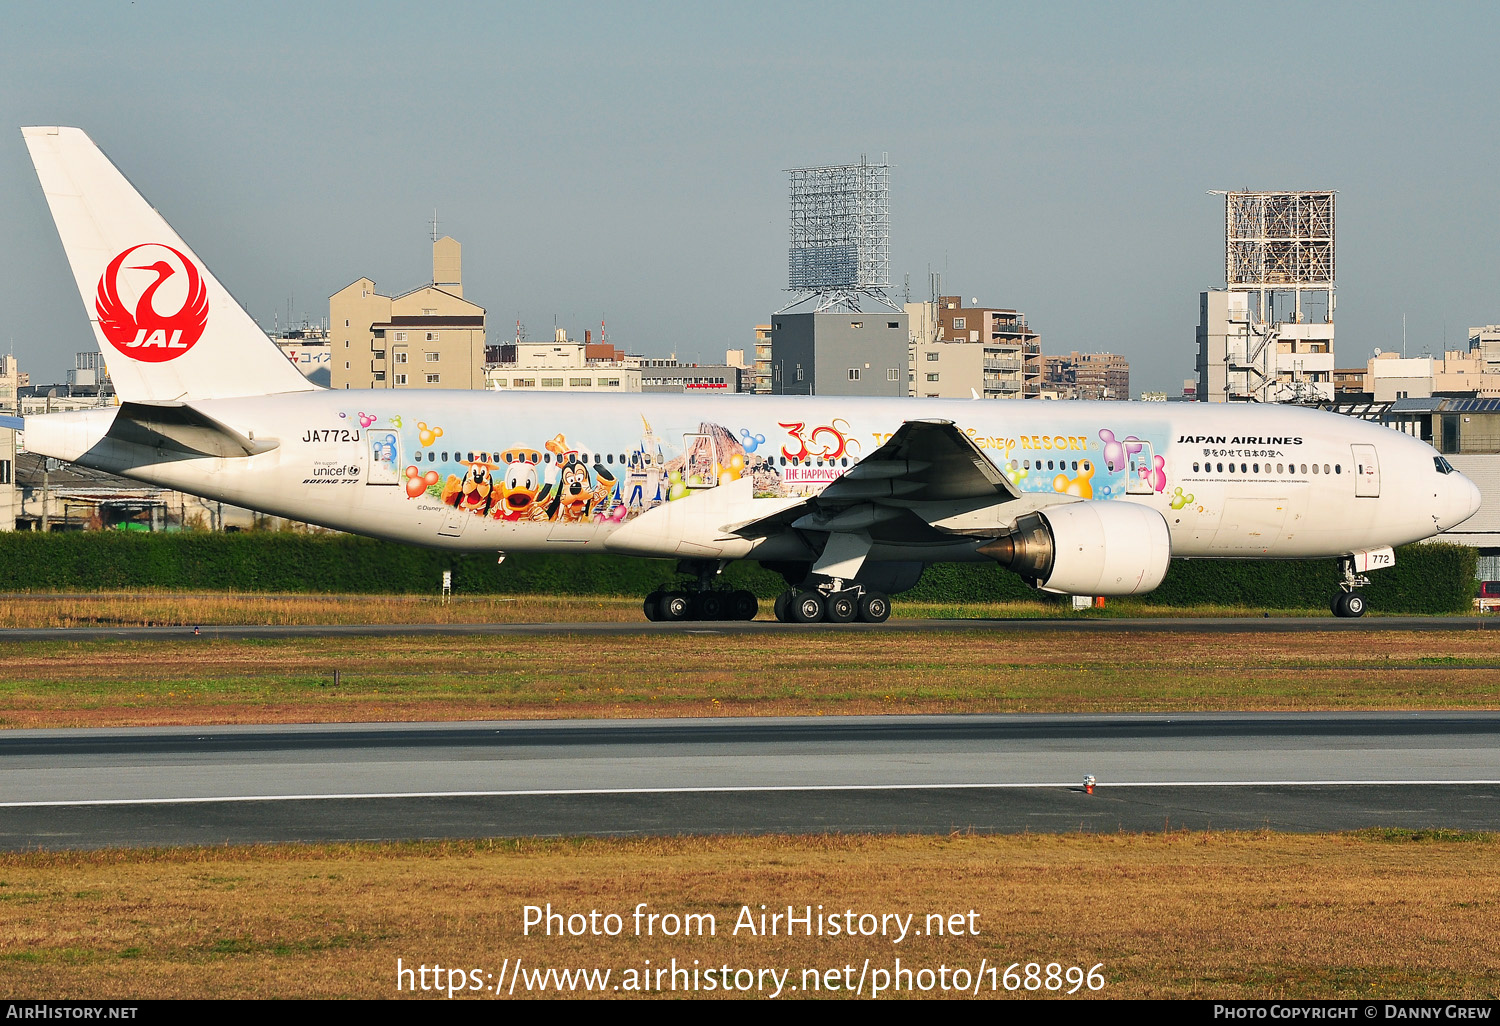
513,471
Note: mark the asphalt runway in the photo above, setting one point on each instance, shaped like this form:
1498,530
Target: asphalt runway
1135,625
1305,772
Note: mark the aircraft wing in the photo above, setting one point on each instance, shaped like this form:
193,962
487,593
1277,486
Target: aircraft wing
927,461
927,472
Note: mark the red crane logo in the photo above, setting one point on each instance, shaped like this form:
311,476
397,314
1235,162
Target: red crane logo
148,334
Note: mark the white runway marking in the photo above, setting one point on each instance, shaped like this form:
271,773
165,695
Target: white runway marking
567,792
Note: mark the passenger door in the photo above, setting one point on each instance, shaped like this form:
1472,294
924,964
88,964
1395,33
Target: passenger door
1140,468
1366,472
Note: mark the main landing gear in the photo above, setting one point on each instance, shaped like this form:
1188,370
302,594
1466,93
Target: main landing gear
701,605
1348,602
813,605
704,602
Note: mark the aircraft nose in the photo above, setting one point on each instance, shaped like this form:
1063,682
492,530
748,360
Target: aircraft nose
1463,502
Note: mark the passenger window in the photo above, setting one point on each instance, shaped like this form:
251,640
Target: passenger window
1279,469
417,456
1195,468
445,457
1256,467
1075,464
1337,469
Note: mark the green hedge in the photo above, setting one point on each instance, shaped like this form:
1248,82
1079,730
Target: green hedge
1425,579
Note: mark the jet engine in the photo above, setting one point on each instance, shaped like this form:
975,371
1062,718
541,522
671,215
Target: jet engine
1088,548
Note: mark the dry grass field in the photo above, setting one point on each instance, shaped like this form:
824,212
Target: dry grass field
203,680
158,608
1371,915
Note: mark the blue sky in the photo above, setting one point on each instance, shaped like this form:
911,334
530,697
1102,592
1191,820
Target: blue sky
626,161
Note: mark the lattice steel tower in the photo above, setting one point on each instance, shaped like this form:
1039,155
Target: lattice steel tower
840,235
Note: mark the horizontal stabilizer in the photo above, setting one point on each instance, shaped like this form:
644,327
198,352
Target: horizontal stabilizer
180,428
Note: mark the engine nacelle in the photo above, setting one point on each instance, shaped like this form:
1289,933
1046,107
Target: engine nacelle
1088,548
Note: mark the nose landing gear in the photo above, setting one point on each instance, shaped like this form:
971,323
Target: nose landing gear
1348,602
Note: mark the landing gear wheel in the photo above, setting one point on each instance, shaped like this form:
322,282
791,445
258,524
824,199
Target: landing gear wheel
743,606
841,607
708,605
1348,604
807,607
675,606
782,608
874,607
652,606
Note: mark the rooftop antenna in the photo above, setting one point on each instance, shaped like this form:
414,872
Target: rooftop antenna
434,223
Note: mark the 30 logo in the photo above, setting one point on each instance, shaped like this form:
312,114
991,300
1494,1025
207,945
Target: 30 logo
146,333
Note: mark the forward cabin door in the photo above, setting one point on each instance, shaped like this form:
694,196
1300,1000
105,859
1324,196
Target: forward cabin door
1366,472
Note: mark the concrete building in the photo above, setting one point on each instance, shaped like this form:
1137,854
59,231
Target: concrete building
1349,381
90,375
668,375
310,350
12,380
839,353
760,380
1390,376
430,337
957,351
10,496
1087,376
1242,357
562,365
1475,371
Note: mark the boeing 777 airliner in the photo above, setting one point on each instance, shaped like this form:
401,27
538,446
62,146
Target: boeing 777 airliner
847,498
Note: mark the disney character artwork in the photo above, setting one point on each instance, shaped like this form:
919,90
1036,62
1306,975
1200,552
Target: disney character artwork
577,495
475,492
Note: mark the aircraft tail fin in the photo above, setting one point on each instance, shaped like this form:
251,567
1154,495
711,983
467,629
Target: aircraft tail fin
168,330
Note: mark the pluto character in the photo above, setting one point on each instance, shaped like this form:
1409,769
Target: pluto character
475,492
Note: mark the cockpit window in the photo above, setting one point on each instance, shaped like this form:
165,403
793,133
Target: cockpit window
1443,466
